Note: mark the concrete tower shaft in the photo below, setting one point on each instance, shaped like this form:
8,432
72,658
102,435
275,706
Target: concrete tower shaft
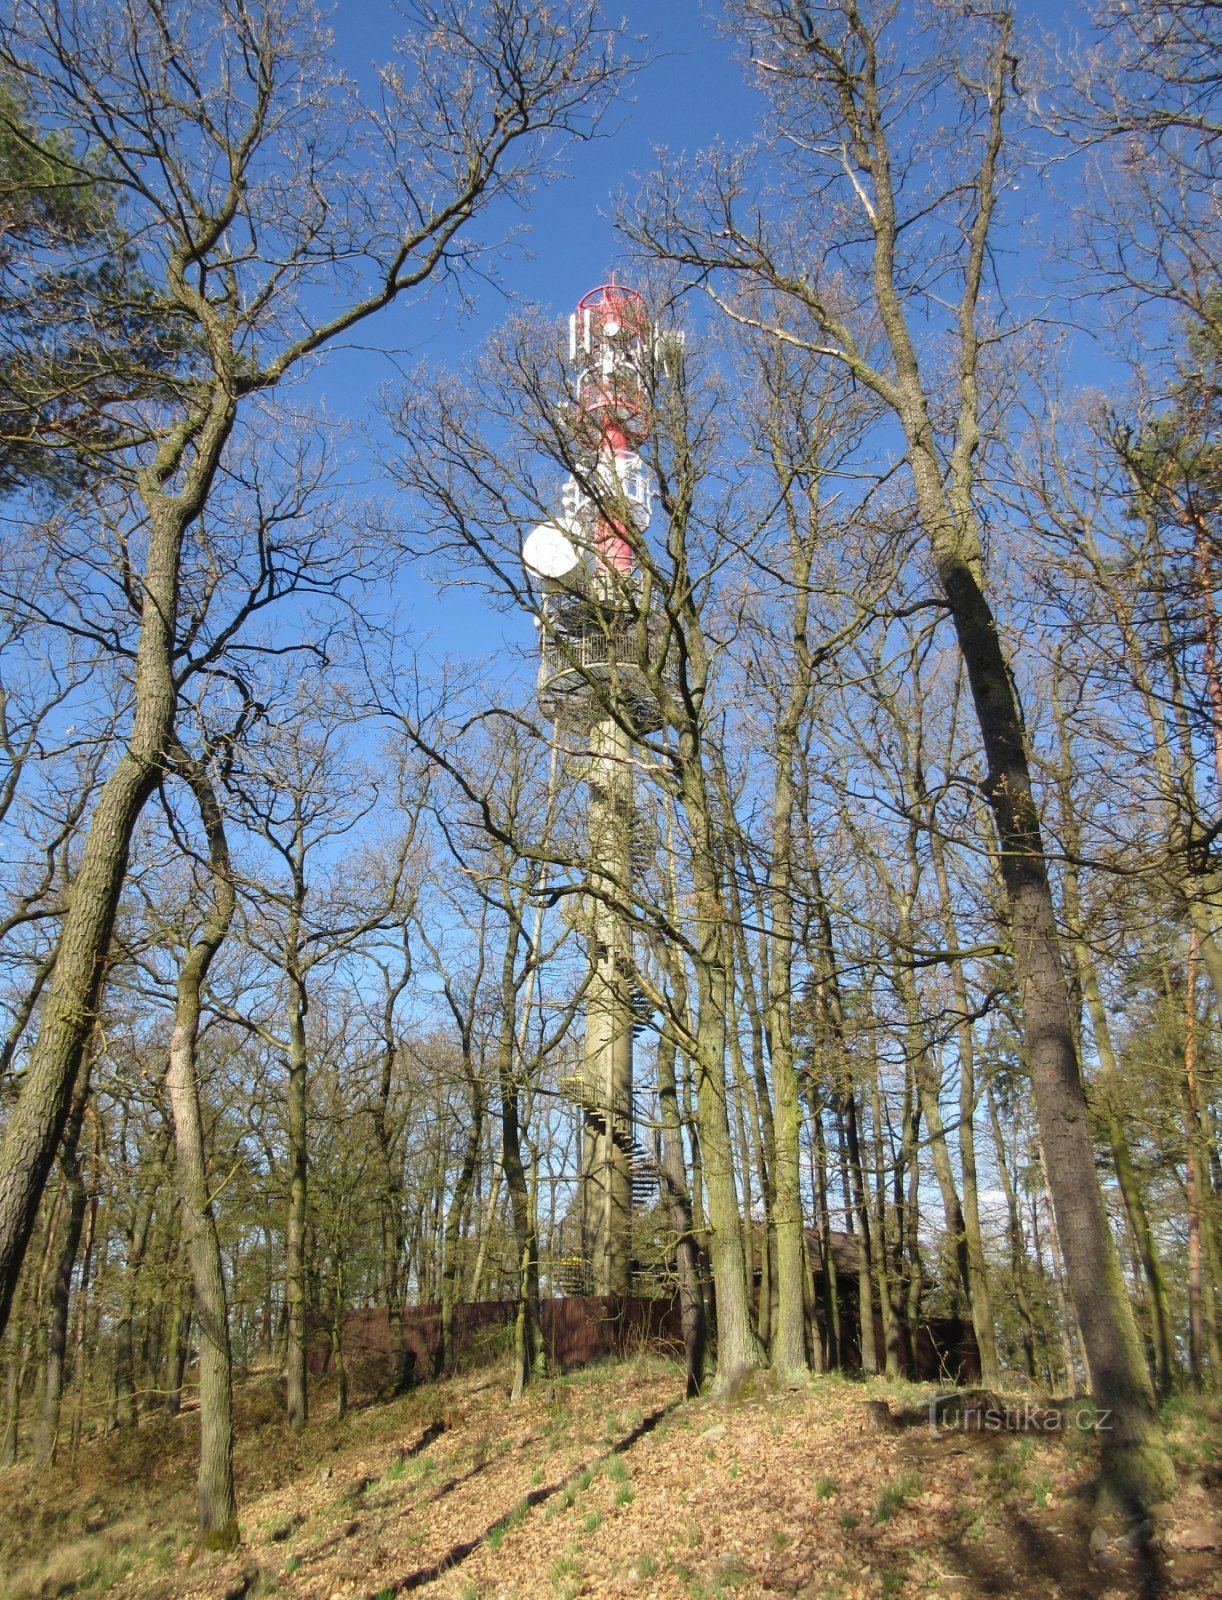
589,681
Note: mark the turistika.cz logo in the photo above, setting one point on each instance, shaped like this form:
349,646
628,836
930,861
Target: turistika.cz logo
948,1416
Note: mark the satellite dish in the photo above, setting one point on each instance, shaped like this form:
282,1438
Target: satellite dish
548,553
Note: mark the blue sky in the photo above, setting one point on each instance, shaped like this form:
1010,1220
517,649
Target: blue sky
690,96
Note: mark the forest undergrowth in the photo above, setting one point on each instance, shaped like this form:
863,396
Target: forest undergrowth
603,1483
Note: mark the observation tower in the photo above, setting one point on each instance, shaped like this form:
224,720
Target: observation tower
594,633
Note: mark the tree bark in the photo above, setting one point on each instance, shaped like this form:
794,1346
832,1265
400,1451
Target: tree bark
46,1432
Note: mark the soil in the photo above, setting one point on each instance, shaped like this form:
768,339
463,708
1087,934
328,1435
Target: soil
606,1483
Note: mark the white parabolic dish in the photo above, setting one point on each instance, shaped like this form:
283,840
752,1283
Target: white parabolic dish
548,551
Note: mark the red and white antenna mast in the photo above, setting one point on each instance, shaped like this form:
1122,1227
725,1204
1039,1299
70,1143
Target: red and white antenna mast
607,505
609,343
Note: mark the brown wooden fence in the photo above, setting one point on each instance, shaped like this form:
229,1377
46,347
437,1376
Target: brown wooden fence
582,1328
575,1330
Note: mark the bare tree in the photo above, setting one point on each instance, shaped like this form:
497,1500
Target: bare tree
251,201
895,227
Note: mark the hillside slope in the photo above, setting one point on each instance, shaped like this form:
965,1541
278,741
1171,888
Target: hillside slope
605,1484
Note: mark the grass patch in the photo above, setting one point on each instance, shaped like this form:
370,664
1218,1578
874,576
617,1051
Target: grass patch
565,1567
848,1520
593,1522
826,1486
896,1494
733,1576
625,1495
646,1567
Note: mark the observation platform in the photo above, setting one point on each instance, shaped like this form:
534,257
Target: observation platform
589,662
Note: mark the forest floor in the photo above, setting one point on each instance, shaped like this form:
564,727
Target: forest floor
605,1484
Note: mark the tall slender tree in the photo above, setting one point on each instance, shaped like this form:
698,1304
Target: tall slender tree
836,73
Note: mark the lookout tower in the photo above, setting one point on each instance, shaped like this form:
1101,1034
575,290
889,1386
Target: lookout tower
594,637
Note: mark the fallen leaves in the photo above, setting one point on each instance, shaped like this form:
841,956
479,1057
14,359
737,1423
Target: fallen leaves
607,1485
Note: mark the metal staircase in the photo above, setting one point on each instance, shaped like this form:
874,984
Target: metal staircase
625,1117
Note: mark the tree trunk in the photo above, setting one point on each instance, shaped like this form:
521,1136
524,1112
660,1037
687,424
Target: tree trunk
789,1354
527,1341
46,1432
1136,1467
70,1005
1192,1178
180,1350
481,1254
915,1267
829,1275
338,1307
137,1232
443,1359
679,1216
865,1255
298,1401
216,1504
738,1350
392,1185
1018,1255
80,1345
979,1295
891,1332
743,1168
